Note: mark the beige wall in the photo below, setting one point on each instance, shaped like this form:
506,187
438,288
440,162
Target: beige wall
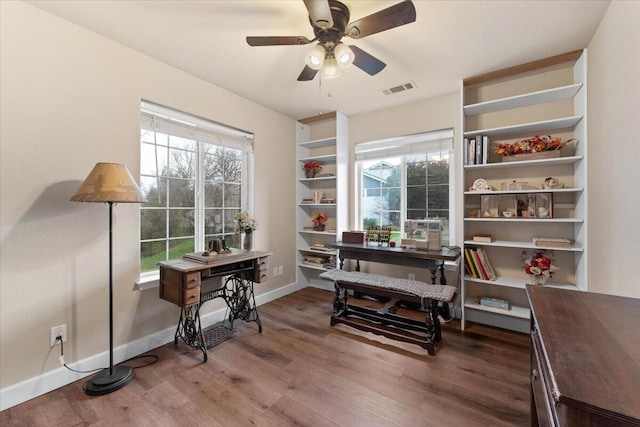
70,98
614,158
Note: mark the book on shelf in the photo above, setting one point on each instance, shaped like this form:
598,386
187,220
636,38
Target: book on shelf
484,259
469,262
484,238
493,302
307,201
481,269
555,242
476,150
320,247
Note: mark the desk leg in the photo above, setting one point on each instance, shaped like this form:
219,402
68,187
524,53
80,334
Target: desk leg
190,329
241,301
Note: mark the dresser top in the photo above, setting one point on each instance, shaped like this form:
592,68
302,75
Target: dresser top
592,345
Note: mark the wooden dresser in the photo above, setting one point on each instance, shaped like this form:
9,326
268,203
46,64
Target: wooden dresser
585,358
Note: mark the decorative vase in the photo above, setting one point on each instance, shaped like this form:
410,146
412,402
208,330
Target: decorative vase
318,227
538,280
310,173
247,241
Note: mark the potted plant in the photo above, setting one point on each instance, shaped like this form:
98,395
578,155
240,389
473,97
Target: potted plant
319,219
311,168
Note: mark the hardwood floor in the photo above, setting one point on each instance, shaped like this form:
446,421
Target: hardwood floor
302,372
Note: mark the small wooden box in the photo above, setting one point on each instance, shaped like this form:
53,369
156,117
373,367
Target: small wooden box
352,237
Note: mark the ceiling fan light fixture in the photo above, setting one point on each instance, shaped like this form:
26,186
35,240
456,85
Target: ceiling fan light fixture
330,68
344,55
315,57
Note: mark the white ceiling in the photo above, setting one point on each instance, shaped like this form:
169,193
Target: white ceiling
449,41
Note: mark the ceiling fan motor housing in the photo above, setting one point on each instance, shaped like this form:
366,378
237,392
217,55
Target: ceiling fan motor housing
331,36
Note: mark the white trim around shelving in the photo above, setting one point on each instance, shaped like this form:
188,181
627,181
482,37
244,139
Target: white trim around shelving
521,163
327,158
544,190
511,282
544,220
514,311
318,143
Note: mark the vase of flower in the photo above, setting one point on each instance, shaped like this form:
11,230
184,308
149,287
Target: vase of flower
538,280
245,223
538,266
247,241
311,168
319,219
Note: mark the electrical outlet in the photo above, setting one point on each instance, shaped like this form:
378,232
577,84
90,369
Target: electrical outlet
275,271
412,276
58,331
280,270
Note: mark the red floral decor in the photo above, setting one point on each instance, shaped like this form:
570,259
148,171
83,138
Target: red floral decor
535,144
538,266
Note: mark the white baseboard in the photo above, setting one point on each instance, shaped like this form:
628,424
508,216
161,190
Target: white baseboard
33,387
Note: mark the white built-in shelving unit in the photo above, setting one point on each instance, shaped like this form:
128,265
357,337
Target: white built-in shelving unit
323,139
546,97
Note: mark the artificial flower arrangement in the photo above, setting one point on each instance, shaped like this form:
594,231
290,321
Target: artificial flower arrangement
319,219
245,223
535,144
538,266
312,165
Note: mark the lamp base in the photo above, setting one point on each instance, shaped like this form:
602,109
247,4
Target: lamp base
103,383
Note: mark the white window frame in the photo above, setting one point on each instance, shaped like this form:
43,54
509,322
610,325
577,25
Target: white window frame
202,131
421,143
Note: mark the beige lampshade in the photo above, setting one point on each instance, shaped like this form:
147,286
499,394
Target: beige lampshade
109,182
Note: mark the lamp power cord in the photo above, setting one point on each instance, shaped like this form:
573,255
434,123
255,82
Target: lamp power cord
154,358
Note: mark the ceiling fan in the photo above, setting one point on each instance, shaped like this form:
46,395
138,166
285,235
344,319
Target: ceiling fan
330,22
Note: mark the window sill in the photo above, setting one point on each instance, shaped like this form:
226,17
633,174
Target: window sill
149,282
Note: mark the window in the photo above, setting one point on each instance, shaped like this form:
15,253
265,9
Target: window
406,178
195,175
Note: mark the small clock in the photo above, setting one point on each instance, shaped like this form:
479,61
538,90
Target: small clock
480,185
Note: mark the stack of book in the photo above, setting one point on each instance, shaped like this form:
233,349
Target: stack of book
476,150
322,261
477,264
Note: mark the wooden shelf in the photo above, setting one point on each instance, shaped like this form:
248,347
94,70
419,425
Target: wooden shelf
551,190
511,282
327,158
540,97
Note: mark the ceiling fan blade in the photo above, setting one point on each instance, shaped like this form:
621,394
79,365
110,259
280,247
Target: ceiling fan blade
277,40
307,74
320,13
366,62
391,17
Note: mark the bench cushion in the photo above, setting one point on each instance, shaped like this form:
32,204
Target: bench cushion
422,289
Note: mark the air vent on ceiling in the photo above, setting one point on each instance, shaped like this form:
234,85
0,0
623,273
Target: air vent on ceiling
399,88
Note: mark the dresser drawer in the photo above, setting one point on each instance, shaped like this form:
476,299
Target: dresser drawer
179,288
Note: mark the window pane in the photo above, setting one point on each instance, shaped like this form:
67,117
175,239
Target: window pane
438,197
394,220
149,187
232,165
232,195
149,155
179,142
213,162
213,221
181,222
229,220
371,219
158,138
181,193
212,194
179,247
151,253
416,214
416,173
438,173
416,197
153,224
182,164
393,199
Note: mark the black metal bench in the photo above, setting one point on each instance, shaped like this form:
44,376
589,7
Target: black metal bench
385,321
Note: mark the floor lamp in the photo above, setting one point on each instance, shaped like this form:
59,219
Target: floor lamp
109,183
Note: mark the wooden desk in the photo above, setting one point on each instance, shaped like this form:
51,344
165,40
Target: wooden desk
193,280
430,259
585,358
